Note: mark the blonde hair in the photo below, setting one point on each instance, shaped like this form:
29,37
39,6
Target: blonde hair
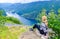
44,19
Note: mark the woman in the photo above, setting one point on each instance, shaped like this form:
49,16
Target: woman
44,24
43,27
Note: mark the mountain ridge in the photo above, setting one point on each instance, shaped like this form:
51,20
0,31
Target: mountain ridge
28,8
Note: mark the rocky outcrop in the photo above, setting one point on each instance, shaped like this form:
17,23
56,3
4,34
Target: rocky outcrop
29,35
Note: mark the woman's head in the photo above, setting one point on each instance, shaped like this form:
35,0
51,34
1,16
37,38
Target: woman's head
44,19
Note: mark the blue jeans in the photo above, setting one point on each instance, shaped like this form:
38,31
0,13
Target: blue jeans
38,28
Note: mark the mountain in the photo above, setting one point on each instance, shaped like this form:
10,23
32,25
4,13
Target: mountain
30,10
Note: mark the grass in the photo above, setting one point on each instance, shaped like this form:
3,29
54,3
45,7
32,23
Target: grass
12,32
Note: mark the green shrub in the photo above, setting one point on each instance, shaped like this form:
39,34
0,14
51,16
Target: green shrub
53,21
15,20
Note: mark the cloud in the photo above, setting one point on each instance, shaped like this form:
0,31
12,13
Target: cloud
20,1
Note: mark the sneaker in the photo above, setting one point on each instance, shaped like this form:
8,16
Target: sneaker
31,29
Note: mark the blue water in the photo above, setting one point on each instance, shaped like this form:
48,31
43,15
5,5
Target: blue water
26,21
23,20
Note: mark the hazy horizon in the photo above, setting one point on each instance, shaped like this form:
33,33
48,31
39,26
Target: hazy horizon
20,1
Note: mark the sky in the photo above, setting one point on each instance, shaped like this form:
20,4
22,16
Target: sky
20,1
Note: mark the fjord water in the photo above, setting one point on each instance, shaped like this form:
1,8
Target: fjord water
26,21
23,20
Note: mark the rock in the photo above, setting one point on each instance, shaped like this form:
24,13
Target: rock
29,35
33,35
